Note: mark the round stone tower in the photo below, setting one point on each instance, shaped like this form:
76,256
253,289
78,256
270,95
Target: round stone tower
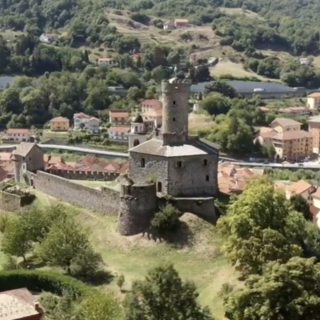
138,204
175,96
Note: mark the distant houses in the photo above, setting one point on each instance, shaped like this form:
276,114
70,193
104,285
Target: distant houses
48,37
85,122
106,62
18,135
59,124
176,23
313,101
304,61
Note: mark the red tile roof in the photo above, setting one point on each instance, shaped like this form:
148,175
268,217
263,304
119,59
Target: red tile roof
5,156
81,115
59,119
119,129
181,20
300,187
156,104
105,59
314,95
22,131
118,113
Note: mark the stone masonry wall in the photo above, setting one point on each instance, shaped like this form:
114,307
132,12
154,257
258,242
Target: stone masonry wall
9,201
106,201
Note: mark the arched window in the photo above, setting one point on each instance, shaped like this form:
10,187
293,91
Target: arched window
142,162
159,187
136,142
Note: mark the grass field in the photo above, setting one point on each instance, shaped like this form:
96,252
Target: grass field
199,121
195,254
239,11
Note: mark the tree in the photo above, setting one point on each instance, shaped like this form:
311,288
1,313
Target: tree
215,103
98,306
16,240
221,87
301,205
268,150
64,243
163,295
282,292
166,219
260,226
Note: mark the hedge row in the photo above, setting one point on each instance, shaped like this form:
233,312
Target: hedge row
38,281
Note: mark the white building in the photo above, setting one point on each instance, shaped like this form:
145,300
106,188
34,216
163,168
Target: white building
18,135
313,101
85,122
304,61
48,37
119,133
138,131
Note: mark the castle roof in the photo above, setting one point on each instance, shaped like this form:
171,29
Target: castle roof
24,148
191,148
137,119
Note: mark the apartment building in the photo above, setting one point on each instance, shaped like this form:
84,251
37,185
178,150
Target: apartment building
289,141
18,135
118,117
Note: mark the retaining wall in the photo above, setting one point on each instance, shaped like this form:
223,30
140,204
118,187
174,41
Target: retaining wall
105,201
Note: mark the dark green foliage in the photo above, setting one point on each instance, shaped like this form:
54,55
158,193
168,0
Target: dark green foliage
42,281
215,104
301,205
282,292
163,295
166,219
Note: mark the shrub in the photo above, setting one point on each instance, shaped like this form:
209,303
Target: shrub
166,219
42,281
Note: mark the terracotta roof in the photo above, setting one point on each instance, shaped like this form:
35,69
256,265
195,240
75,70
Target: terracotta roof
265,130
291,135
17,130
124,168
153,113
112,167
156,104
268,135
50,34
59,119
118,113
105,59
316,194
17,304
293,109
24,148
300,187
156,147
314,95
264,108
119,129
94,118
81,115
285,122
5,156
181,20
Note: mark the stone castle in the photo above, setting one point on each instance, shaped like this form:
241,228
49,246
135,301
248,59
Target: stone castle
170,164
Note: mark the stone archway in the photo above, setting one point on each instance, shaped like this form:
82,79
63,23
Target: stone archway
136,142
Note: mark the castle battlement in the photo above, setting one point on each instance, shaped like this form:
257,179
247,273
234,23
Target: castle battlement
175,85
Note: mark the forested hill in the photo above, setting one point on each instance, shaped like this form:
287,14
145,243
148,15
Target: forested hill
290,25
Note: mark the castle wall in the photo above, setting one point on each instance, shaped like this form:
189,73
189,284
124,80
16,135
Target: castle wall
106,201
85,175
155,168
137,207
193,178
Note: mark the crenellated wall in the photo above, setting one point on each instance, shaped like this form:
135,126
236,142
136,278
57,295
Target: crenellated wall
106,201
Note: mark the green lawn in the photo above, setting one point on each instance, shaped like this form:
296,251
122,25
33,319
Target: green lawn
196,256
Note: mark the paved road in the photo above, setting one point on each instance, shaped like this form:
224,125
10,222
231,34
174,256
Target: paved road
280,165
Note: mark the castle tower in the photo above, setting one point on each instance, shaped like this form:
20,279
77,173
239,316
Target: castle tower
138,132
175,96
138,203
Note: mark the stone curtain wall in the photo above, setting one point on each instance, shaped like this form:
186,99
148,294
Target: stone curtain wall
106,201
9,201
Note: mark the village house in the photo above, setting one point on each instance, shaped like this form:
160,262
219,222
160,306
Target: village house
289,141
18,135
118,117
313,101
295,110
316,199
85,122
176,23
302,188
119,133
106,62
151,113
48,37
314,129
304,61
59,124
19,304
